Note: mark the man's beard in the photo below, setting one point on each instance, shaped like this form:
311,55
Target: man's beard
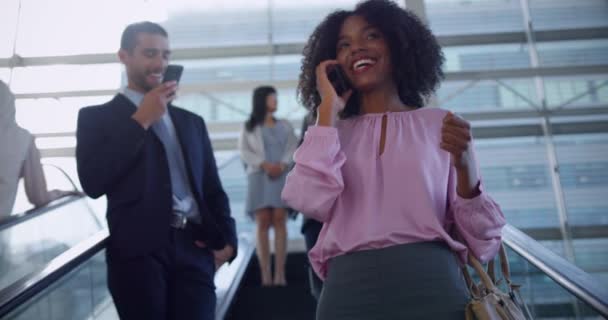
142,83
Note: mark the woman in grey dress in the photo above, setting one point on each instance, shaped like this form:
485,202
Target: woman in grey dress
266,145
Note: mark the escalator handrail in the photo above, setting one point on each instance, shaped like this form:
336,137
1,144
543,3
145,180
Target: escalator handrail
576,281
35,212
30,285
228,161
246,250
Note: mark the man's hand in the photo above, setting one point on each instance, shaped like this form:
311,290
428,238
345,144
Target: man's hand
220,256
154,104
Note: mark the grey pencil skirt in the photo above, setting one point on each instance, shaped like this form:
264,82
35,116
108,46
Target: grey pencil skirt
410,281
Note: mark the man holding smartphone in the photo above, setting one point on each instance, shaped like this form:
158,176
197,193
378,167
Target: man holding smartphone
169,217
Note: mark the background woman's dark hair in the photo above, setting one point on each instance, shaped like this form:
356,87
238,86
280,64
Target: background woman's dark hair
259,108
416,56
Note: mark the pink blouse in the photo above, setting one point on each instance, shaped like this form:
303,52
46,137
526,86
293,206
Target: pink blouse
369,201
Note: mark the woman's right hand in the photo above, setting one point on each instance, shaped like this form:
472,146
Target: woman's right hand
331,103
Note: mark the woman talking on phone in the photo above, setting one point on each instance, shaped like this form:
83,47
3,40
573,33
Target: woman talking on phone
396,185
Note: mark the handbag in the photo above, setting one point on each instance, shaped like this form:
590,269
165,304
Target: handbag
488,301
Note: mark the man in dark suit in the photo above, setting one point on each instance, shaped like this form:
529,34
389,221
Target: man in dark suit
169,218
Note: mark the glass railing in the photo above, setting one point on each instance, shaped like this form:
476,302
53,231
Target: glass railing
78,289
30,241
82,292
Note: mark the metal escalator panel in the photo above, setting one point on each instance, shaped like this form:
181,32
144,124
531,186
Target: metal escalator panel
30,244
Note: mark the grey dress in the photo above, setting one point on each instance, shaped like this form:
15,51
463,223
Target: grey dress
264,192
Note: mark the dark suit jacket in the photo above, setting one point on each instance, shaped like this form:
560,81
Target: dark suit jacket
116,157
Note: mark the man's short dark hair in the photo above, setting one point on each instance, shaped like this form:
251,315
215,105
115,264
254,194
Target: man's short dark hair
128,41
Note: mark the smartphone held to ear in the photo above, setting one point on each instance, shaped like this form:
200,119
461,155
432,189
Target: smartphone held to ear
338,79
173,73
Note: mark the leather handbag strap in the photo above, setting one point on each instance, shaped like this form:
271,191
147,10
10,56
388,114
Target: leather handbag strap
504,266
486,279
491,271
473,289
481,272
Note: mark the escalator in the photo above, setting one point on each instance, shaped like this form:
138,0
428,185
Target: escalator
72,284
56,270
52,262
53,265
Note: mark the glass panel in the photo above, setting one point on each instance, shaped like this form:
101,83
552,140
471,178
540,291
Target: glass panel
31,244
449,17
558,14
8,24
577,91
486,57
235,106
224,24
239,70
573,53
225,70
224,107
583,163
516,174
5,74
59,78
487,95
571,91
83,26
294,21
34,114
56,142
81,294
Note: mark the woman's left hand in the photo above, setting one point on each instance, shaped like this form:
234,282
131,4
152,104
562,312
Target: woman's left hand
456,138
275,171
